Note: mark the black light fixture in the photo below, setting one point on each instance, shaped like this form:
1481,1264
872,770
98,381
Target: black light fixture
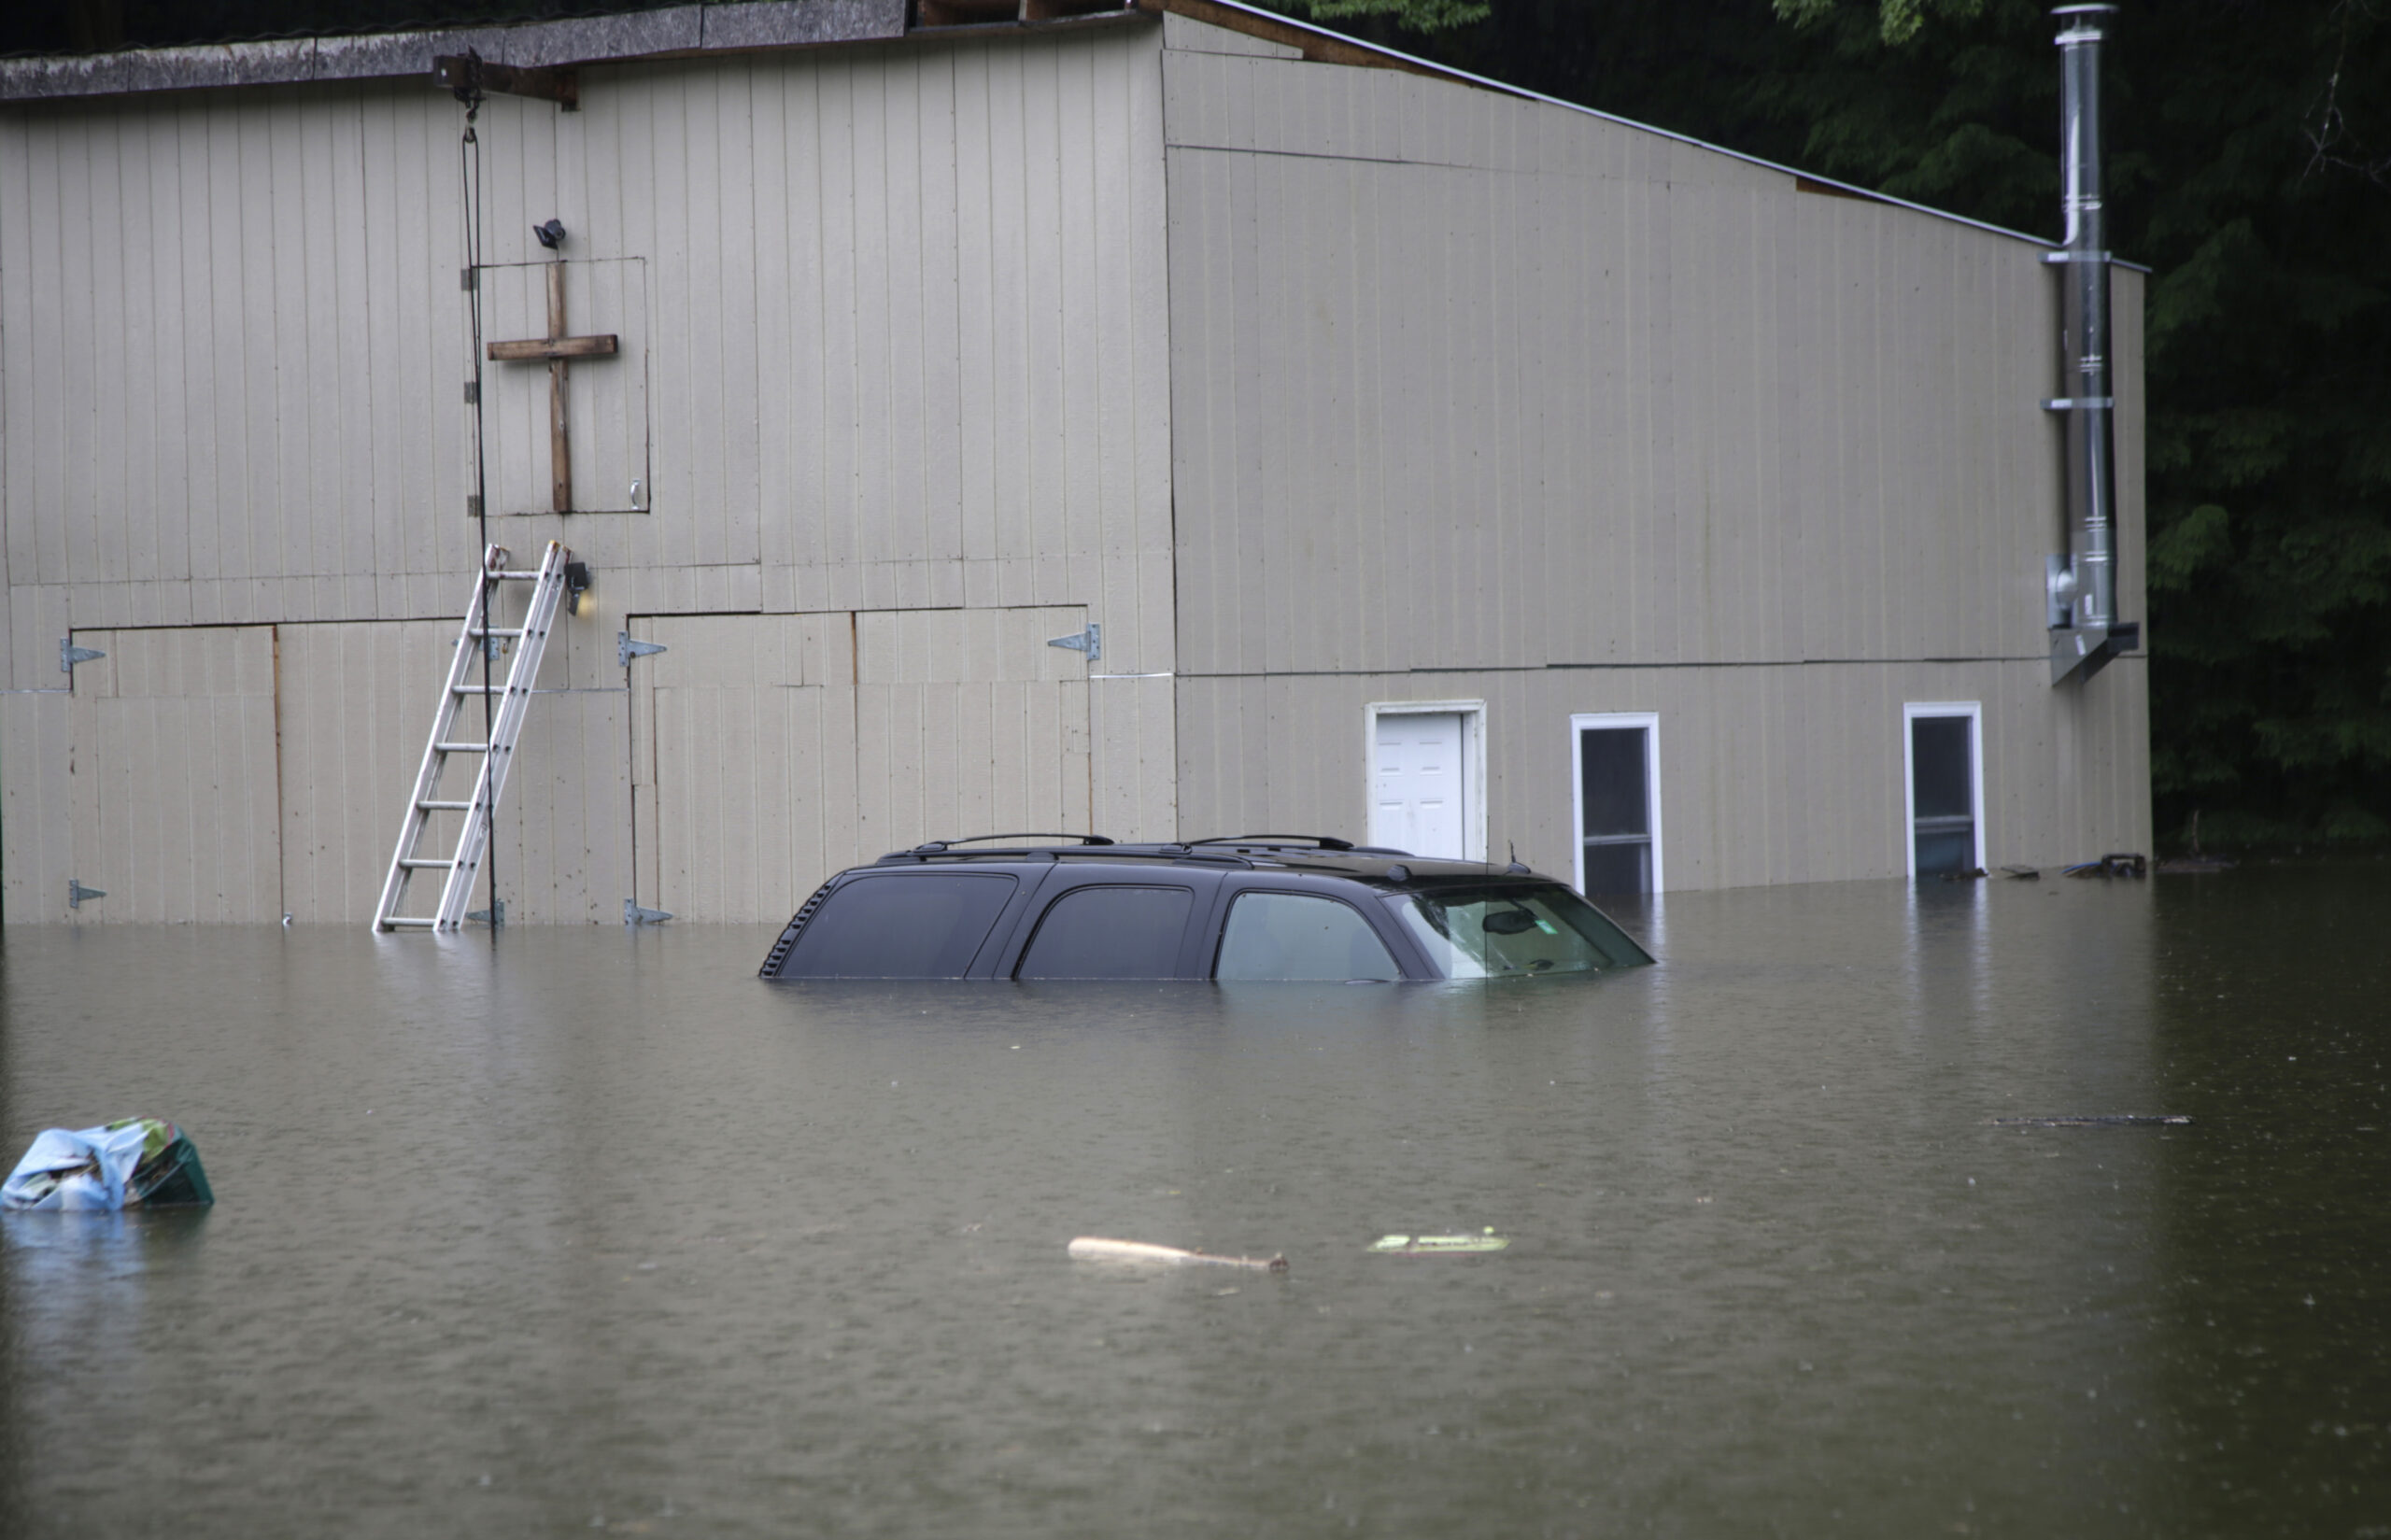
551,234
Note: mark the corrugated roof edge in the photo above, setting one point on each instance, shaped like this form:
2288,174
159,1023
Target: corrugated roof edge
678,31
682,31
1261,21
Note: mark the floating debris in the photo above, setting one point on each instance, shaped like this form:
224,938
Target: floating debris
128,1164
1098,1249
2105,1119
1405,1246
2118,864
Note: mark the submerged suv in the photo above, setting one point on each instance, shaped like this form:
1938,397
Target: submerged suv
1252,909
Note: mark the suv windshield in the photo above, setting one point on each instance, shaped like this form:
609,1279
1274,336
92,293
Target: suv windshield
1515,928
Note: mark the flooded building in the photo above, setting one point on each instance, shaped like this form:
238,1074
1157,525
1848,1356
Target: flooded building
1400,455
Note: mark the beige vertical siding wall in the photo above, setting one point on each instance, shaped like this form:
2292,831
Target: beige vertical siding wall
1583,419
1777,774
900,322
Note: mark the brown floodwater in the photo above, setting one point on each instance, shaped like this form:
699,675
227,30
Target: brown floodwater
590,1229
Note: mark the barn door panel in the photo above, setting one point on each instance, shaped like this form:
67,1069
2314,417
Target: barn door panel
175,784
357,699
771,751
967,722
743,762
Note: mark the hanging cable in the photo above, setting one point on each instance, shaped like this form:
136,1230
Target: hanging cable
469,173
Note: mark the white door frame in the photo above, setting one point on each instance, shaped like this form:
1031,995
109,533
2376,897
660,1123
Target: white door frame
1911,712
1473,762
1578,723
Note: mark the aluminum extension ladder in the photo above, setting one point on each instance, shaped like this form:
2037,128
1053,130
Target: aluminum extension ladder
548,583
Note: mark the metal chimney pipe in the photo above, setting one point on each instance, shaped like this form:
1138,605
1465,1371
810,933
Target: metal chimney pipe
2084,586
2092,472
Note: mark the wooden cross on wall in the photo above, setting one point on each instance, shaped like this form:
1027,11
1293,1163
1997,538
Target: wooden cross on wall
555,349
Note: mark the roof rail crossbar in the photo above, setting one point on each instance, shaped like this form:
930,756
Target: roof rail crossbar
1319,841
933,846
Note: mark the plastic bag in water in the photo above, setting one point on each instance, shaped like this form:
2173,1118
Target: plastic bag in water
129,1163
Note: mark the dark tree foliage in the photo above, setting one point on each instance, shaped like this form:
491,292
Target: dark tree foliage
2250,167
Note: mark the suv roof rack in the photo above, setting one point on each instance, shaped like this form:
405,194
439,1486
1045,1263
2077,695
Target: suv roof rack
1225,849
933,847
1316,841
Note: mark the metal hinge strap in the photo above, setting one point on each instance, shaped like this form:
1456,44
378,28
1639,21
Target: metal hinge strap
1089,640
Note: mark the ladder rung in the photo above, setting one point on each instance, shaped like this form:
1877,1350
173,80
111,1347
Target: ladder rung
530,635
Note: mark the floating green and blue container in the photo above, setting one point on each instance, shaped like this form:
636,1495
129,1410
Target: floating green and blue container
133,1162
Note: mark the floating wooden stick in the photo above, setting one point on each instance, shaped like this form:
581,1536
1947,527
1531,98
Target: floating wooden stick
1437,1245
1096,1249
2105,1119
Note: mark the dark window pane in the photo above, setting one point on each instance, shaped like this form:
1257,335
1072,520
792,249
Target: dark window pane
1287,936
901,925
1613,794
1939,768
1948,850
1625,868
1110,933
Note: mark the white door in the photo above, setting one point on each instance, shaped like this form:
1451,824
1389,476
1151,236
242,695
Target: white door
1416,794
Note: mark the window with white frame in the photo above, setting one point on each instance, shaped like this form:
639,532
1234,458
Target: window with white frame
1943,763
1616,759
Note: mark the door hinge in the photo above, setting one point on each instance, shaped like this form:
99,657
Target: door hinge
467,278
626,649
494,916
77,893
472,393
1089,641
473,506
634,915
69,655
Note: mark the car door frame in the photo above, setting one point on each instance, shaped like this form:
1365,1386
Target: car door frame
1068,877
1406,952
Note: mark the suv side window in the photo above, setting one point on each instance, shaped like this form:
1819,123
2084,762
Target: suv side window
1293,936
901,925
1110,932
